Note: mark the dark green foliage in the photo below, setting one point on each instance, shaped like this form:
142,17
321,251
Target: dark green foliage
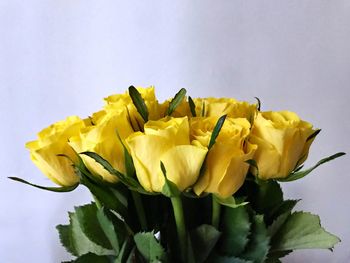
258,106
128,181
302,230
313,135
66,238
62,189
258,246
176,101
149,247
74,238
192,106
112,198
109,228
203,240
300,174
138,102
89,224
235,228
264,229
216,131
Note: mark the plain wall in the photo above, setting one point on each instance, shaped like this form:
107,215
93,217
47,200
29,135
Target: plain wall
61,57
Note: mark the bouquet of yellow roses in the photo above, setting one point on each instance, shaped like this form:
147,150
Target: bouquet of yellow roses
187,180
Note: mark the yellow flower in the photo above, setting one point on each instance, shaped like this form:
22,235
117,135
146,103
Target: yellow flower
102,138
119,102
282,143
217,107
51,142
166,140
225,168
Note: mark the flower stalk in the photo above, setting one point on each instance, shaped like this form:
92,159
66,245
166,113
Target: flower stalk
180,225
216,210
97,202
139,210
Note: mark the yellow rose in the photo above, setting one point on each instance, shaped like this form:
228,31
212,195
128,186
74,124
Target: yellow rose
282,143
217,107
51,142
225,168
101,138
123,101
166,140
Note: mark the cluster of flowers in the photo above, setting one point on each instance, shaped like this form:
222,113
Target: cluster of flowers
205,170
177,133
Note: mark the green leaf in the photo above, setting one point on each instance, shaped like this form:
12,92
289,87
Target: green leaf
276,225
121,193
138,102
129,164
87,217
192,106
229,201
82,243
203,240
285,207
258,245
175,102
105,164
203,109
110,231
62,189
83,172
301,174
169,188
66,238
268,196
216,131
313,135
302,231
149,247
130,182
76,242
235,228
298,168
112,198
92,258
259,103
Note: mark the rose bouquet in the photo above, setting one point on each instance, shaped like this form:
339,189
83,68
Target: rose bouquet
187,180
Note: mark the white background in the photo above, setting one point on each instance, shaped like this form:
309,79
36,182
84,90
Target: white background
61,57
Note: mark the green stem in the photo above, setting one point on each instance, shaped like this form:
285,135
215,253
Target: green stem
97,202
139,209
216,209
180,225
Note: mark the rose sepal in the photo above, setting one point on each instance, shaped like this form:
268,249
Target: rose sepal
297,174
